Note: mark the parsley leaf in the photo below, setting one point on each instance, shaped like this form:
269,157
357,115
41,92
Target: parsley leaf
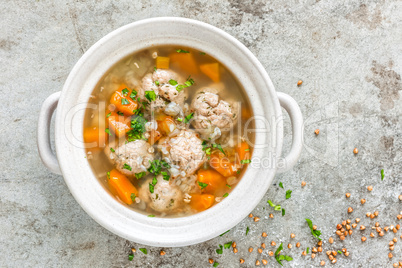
276,207
157,82
154,181
140,175
245,161
281,185
108,175
188,83
133,196
165,175
112,150
133,94
124,101
128,167
219,250
156,166
340,252
225,233
219,147
150,95
125,92
143,250
227,185
120,113
202,53
283,212
216,264
179,119
307,250
173,82
247,230
382,174
280,258
109,114
151,188
182,51
315,233
151,215
137,129
202,185
227,245
130,257
108,131
288,194
225,195
188,118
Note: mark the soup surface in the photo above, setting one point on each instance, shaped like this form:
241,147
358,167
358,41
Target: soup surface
164,131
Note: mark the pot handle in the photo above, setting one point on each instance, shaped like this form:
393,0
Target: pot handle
48,157
296,118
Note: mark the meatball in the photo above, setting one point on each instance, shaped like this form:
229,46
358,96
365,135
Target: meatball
166,197
132,157
184,152
212,115
159,82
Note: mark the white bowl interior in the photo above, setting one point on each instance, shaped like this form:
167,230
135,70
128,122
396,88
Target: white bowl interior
87,189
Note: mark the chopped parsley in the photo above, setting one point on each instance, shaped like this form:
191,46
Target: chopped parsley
120,113
154,181
202,185
382,174
315,233
124,101
130,257
150,95
109,114
202,53
247,230
227,245
188,118
157,82
216,264
173,82
288,194
276,207
179,119
108,131
182,51
151,215
307,250
340,252
247,150
128,167
225,195
165,175
137,129
133,196
245,161
219,147
225,233
155,69
281,185
227,185
219,250
133,94
125,92
188,83
143,250
280,258
140,175
283,212
157,165
108,175
151,188
112,150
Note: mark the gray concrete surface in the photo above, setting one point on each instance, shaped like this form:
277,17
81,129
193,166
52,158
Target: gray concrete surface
348,53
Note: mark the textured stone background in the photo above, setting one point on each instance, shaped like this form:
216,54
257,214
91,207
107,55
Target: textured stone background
350,59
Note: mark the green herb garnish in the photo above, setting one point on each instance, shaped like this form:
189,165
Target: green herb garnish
155,69
225,233
182,51
173,82
280,258
382,174
108,131
109,114
130,257
165,175
151,188
188,118
219,147
133,94
137,129
157,82
133,196
150,95
219,250
225,195
227,185
315,233
281,185
125,92
124,101
288,194
154,181
151,215
179,119
112,150
340,252
227,245
140,175
188,83
128,167
216,264
202,53
276,207
143,250
307,250
245,161
283,212
247,230
157,165
202,185
120,113
108,175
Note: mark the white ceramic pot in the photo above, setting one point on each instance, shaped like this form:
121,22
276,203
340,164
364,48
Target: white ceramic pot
70,160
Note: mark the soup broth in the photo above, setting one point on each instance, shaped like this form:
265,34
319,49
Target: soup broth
164,131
